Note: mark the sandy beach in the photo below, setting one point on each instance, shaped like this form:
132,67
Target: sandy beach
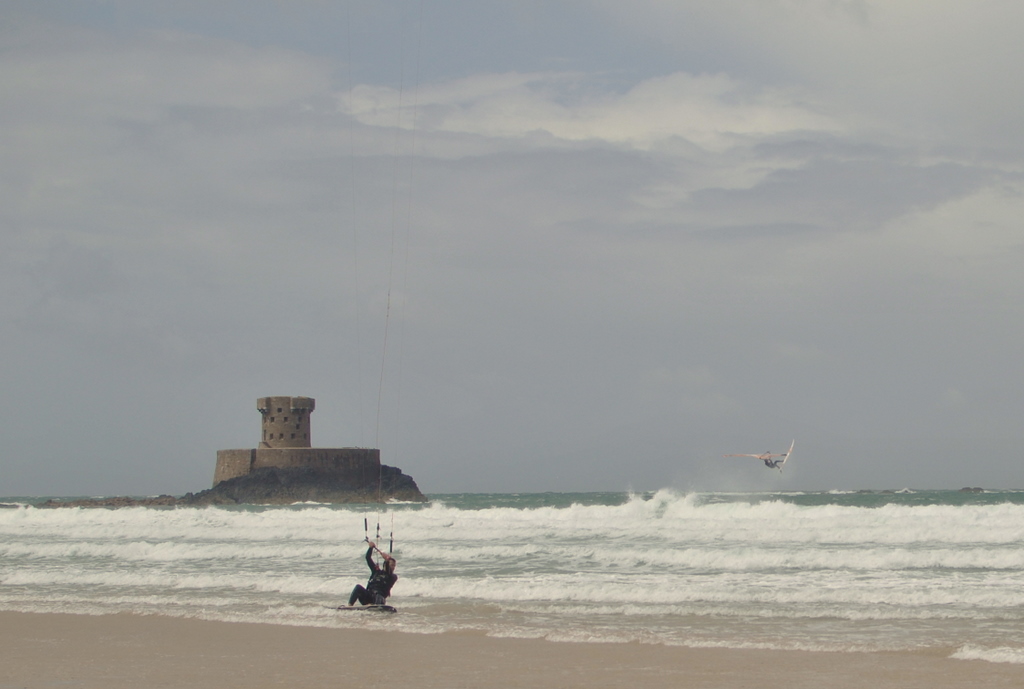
121,651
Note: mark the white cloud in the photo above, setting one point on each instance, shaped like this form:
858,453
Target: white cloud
713,111
922,69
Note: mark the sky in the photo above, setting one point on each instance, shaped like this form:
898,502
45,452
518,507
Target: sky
571,245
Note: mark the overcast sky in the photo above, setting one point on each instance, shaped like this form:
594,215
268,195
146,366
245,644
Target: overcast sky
620,240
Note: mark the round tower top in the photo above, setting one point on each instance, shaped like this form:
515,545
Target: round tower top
286,421
280,403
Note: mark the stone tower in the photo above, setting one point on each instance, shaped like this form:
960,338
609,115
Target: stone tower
286,468
286,421
286,444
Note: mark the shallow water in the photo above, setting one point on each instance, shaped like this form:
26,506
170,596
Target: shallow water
820,571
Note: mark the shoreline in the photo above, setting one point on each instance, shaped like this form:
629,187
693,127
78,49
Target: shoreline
125,651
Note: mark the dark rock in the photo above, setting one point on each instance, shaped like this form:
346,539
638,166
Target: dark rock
159,501
284,486
277,486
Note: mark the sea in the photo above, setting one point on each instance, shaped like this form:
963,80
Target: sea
842,571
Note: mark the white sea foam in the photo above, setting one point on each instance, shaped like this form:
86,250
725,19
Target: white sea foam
1002,654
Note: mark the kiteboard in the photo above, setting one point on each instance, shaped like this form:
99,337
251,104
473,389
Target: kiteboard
785,457
368,608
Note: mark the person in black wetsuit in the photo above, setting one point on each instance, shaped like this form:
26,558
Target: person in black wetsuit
378,588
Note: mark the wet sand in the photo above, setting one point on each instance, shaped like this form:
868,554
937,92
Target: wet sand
122,651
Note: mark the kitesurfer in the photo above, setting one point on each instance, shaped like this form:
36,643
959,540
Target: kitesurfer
771,461
378,588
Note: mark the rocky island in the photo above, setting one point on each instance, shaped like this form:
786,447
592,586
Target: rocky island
285,469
